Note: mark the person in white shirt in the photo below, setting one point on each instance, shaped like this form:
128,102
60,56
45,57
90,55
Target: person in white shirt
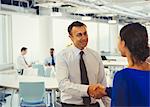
21,61
51,59
77,68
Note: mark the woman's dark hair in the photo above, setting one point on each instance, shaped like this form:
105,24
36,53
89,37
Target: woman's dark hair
136,40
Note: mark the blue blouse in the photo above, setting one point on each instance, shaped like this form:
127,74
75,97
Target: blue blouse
131,87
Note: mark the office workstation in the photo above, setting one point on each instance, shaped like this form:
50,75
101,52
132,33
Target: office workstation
41,45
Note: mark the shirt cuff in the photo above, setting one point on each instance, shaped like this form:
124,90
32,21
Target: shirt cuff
84,89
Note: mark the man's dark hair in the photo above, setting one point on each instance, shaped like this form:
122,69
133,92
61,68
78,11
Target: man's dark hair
136,40
52,49
75,24
23,49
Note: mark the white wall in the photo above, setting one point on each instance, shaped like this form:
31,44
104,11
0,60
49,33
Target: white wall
113,34
45,36
5,40
32,32
92,30
1,39
60,34
103,37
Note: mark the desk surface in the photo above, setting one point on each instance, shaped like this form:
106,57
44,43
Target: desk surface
12,81
115,63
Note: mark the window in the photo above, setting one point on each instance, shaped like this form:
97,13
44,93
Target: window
104,37
5,42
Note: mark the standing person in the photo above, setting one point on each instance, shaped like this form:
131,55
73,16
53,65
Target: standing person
131,86
77,67
51,59
21,61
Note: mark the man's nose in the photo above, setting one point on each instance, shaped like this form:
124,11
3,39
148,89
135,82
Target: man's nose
84,38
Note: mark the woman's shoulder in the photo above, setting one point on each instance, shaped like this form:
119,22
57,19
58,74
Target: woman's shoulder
131,70
126,72
122,72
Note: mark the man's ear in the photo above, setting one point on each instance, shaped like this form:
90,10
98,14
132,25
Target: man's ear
71,37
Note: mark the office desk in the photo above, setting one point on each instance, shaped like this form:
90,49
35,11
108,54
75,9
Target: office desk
12,81
113,67
115,63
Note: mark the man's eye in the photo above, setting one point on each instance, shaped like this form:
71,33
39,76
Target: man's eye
85,33
79,34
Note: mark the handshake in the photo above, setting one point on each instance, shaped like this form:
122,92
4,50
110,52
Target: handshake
97,91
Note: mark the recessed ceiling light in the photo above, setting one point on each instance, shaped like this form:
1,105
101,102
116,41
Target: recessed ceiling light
56,14
86,18
112,21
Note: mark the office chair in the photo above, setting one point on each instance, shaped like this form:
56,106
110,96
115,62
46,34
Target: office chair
3,96
32,94
48,72
41,71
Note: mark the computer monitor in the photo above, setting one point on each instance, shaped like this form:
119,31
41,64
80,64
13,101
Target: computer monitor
103,57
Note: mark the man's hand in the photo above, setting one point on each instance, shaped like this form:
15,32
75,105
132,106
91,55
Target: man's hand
96,91
30,65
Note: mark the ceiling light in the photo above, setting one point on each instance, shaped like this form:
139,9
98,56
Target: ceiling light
112,21
56,14
86,18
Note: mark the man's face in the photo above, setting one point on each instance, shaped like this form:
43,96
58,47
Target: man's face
79,37
24,52
51,52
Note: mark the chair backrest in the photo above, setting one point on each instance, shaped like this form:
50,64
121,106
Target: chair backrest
41,71
2,97
35,65
47,72
32,91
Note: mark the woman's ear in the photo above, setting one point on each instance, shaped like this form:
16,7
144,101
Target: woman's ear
122,43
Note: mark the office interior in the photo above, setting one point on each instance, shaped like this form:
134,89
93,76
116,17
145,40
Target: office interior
42,24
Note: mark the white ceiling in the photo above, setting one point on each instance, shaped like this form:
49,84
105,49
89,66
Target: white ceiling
139,9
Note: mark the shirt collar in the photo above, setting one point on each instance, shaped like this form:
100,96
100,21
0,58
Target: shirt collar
77,50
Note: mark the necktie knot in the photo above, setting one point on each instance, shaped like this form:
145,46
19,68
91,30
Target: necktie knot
81,53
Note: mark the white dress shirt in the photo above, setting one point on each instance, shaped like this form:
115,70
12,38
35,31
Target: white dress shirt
21,64
48,60
68,74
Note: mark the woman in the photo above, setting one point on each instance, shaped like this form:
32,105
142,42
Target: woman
131,86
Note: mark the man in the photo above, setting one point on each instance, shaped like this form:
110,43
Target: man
21,61
76,68
50,60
